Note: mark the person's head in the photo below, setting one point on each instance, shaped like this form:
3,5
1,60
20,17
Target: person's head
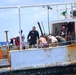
33,28
63,27
21,31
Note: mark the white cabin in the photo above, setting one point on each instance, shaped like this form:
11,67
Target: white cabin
65,15
70,26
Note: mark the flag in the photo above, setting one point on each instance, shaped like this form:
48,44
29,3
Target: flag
64,13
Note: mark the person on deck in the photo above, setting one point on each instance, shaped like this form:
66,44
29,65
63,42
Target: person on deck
33,36
52,40
63,32
42,42
69,38
17,39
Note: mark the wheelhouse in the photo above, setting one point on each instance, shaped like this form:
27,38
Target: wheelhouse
70,26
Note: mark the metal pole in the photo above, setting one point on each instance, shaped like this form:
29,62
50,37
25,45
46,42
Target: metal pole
20,27
48,19
57,12
6,36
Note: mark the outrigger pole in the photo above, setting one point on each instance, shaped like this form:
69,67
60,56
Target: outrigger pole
43,27
40,28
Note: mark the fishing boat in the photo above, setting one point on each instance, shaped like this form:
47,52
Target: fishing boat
60,59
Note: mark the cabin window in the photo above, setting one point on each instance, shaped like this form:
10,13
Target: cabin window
57,28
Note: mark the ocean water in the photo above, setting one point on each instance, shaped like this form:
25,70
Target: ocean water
3,43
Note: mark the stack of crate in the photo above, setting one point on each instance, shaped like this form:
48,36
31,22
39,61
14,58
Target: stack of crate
1,54
8,56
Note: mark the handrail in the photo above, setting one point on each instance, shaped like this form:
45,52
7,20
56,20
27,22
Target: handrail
35,5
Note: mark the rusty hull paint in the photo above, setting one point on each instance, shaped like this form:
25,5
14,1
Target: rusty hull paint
71,52
71,47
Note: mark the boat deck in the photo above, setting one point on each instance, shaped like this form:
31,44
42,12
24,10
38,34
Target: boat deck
4,63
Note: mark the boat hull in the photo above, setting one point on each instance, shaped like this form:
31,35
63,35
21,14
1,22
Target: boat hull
43,61
43,57
57,70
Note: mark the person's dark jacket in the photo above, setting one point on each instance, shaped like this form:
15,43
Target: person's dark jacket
33,36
